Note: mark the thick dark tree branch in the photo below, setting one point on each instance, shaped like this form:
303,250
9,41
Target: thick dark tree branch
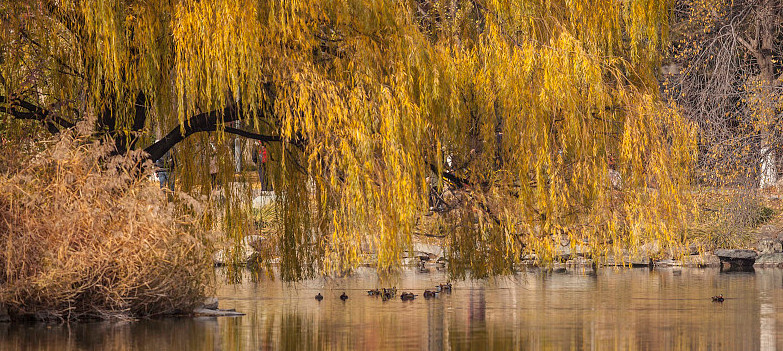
206,122
251,135
122,141
52,121
203,122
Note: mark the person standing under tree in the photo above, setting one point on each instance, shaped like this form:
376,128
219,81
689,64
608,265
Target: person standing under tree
213,166
164,170
260,157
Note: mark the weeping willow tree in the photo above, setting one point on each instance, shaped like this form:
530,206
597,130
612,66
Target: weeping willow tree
542,118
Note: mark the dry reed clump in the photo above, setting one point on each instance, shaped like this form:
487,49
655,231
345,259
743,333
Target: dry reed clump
85,235
729,218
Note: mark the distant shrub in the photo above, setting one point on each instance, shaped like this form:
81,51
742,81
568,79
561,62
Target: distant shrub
85,235
729,218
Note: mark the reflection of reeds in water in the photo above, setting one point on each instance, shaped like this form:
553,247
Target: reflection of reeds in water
196,334
82,234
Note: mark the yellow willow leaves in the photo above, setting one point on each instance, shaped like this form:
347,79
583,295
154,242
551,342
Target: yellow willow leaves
660,167
217,54
562,134
527,101
116,48
648,26
103,22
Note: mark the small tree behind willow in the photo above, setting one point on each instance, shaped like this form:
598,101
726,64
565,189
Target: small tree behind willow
524,107
729,82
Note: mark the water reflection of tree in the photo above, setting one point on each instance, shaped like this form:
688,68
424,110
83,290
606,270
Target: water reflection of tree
478,306
300,333
475,335
436,326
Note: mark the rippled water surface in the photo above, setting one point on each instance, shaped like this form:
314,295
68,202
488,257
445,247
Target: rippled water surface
623,309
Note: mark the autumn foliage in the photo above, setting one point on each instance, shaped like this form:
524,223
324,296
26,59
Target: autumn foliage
525,109
81,236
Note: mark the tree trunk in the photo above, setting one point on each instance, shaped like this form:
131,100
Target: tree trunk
765,100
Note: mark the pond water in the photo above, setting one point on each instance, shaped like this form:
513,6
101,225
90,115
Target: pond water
611,309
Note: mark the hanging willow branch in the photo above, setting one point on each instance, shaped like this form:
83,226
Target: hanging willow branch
377,97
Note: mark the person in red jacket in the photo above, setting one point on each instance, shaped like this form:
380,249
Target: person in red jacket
260,157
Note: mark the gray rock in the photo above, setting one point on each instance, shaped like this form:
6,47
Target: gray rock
701,260
433,251
770,259
210,303
736,257
667,263
263,198
410,261
765,246
579,262
627,261
202,312
736,254
637,259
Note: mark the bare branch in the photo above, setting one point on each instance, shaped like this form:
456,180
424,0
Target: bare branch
746,45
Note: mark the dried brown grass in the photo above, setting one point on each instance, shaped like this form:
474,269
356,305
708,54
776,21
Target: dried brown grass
84,235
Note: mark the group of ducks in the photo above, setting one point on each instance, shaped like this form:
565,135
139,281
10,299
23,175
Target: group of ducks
387,294
320,297
438,289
